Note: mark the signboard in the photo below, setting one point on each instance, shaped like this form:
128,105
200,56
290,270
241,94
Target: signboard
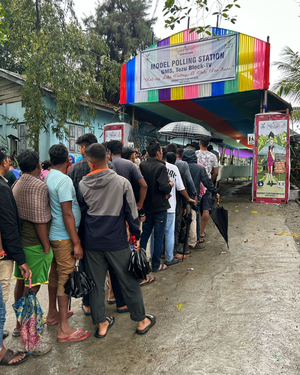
271,158
193,63
251,139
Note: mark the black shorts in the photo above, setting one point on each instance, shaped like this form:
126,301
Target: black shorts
207,201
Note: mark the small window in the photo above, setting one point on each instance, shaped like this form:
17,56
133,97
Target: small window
75,131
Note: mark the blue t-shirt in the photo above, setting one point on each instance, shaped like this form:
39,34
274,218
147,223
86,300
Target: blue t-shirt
61,189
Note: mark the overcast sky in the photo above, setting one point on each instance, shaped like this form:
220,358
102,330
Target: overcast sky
278,19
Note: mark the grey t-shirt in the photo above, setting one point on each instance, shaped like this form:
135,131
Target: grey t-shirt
127,169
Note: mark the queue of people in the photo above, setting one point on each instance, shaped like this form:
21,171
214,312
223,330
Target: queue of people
59,212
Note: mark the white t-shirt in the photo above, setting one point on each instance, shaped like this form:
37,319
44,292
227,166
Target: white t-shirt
174,175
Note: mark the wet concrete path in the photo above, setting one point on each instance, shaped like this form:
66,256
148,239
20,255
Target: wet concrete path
239,316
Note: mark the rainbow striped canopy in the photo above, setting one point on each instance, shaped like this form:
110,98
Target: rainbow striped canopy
227,107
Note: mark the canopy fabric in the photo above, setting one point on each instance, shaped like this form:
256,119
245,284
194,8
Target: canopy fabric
252,73
227,108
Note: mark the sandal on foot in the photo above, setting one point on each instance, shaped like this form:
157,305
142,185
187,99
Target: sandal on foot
162,267
150,280
5,333
111,301
73,335
9,355
145,330
121,311
203,236
55,321
16,332
111,322
180,256
85,313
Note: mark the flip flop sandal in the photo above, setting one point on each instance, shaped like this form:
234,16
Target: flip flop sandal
187,252
5,333
180,256
150,280
163,267
153,321
121,311
111,302
9,355
85,313
203,236
55,321
201,239
16,332
111,321
73,337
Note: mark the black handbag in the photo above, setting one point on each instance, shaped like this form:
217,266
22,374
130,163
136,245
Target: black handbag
139,265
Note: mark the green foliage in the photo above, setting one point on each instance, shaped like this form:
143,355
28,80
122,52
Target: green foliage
124,26
289,83
175,12
48,46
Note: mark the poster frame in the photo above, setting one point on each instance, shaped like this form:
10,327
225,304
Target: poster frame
267,117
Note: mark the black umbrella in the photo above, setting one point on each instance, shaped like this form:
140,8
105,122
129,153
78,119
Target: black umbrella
139,265
78,284
215,138
220,217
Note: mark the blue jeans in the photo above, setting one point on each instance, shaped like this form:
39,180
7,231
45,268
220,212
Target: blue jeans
157,221
2,316
170,236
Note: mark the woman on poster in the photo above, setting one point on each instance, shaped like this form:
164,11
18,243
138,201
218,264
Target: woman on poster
270,160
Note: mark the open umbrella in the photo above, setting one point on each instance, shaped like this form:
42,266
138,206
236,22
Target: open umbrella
220,217
31,317
184,129
78,284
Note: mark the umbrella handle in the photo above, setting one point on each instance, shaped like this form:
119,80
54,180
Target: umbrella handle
29,283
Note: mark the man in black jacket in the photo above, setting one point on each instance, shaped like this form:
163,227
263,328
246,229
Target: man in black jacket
11,242
156,203
198,175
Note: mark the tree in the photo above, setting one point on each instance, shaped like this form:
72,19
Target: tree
48,46
289,82
124,26
176,11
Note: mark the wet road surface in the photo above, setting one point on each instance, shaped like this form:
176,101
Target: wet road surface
239,313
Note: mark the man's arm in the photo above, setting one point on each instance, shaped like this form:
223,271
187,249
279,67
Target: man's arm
214,173
131,214
69,221
186,196
190,183
42,232
143,193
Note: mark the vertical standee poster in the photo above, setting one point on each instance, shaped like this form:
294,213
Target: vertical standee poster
271,158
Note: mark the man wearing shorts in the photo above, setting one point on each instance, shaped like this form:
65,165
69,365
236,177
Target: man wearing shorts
64,240
31,195
210,162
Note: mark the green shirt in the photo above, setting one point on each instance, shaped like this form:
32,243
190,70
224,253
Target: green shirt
29,235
